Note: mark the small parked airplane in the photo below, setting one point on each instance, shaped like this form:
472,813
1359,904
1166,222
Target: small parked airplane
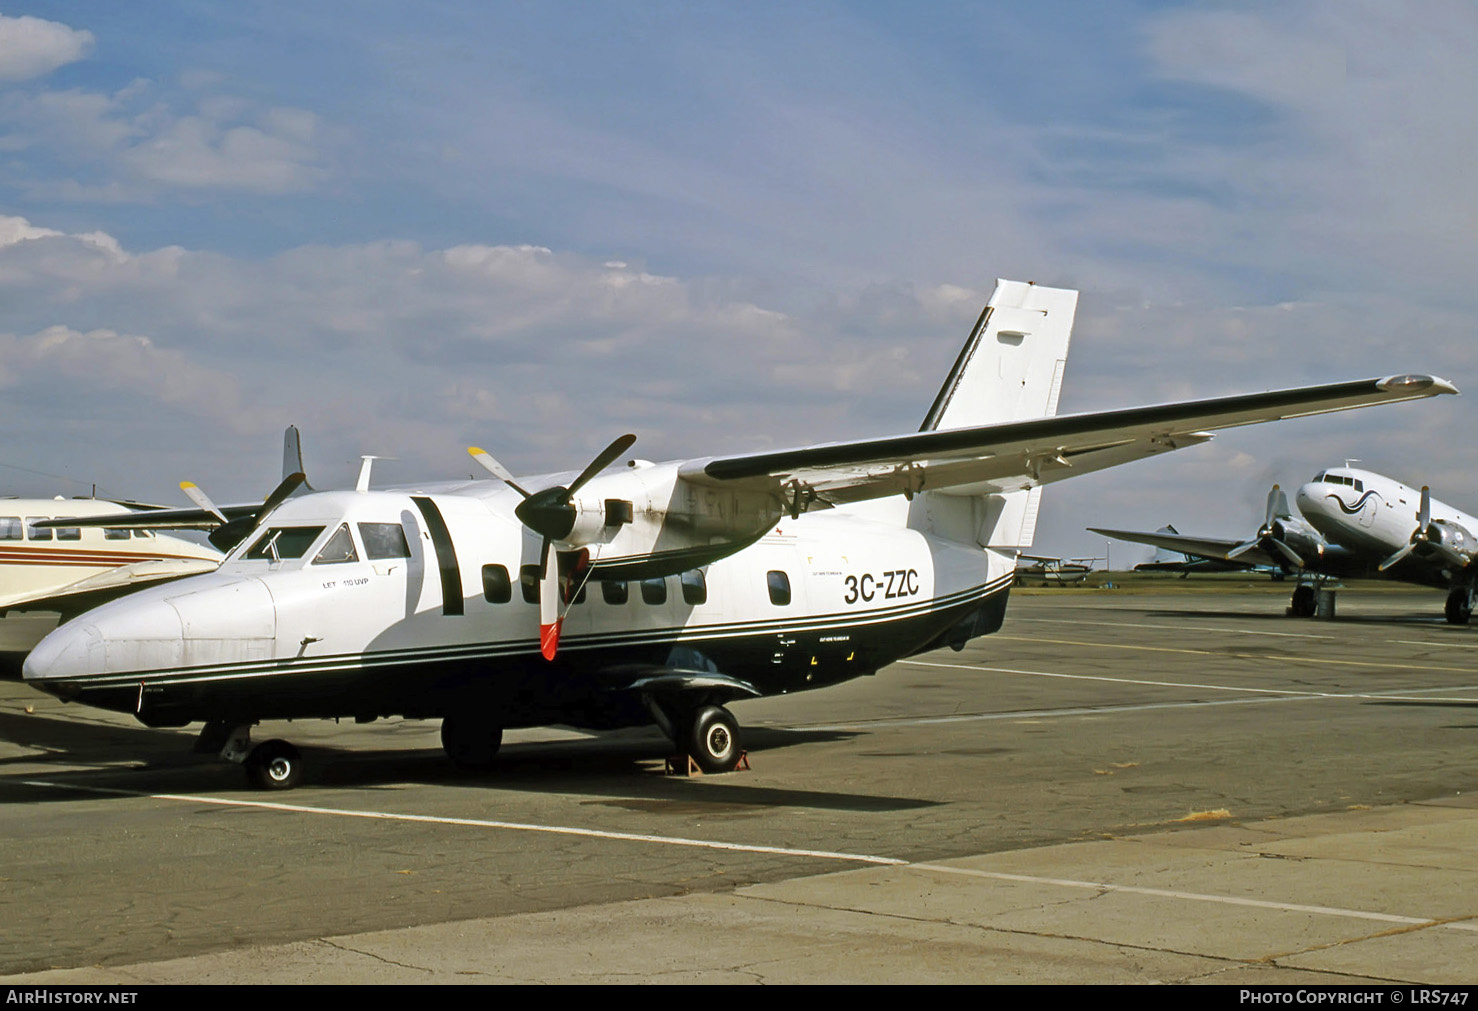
51,561
1355,524
634,593
1053,571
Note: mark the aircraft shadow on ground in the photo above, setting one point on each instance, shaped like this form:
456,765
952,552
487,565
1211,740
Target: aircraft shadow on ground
617,769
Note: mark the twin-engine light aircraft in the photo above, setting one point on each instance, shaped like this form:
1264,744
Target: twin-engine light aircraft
1355,524
637,593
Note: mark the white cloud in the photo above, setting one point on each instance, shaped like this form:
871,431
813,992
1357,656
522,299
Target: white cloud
31,47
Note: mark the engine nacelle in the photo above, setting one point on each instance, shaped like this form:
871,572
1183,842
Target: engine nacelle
646,521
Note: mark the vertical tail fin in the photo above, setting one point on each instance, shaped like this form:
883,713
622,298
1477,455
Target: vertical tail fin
1011,367
1009,370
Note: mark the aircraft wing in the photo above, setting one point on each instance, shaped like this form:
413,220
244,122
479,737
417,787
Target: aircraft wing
85,594
156,519
1024,454
1197,547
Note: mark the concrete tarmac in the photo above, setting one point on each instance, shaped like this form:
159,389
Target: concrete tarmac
1166,786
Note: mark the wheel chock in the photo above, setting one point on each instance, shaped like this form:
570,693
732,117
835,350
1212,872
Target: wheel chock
683,765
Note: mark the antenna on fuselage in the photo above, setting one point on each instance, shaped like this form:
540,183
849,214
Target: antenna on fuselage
364,472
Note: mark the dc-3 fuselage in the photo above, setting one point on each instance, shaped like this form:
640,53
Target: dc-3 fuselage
635,593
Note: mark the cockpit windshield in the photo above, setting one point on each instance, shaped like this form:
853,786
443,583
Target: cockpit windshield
279,543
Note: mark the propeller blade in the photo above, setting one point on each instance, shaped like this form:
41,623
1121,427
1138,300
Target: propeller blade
1424,515
549,619
1383,566
600,463
1241,549
1293,557
280,493
1272,512
202,500
495,468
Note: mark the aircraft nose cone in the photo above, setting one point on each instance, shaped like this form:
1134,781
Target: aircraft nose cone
123,636
71,650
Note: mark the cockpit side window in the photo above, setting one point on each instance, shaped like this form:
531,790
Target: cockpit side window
340,548
279,543
384,540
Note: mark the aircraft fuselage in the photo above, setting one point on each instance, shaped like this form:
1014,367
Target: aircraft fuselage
442,622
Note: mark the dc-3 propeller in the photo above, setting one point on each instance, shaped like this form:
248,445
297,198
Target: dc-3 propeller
551,514
1270,535
1426,535
231,531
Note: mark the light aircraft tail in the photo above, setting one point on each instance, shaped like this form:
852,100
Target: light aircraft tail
1009,370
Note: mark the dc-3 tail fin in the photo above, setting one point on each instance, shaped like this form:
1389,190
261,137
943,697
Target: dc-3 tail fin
1009,370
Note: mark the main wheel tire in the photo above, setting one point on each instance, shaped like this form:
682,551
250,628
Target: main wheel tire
1305,602
274,765
1457,610
470,743
713,741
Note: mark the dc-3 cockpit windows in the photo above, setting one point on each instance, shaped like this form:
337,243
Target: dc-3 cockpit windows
339,549
280,543
1344,479
35,533
384,540
10,528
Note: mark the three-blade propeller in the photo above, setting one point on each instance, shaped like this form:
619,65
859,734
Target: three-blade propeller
1270,535
1422,535
551,514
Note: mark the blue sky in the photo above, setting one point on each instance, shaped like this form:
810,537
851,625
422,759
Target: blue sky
722,226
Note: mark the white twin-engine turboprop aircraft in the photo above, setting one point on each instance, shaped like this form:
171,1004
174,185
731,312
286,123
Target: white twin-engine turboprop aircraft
637,593
1355,523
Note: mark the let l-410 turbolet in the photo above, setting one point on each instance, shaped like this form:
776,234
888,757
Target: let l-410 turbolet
635,593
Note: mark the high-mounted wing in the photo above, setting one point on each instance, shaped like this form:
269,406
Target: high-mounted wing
1025,454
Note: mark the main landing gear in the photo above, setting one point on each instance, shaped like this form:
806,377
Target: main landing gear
1459,605
1304,602
271,765
712,739
471,743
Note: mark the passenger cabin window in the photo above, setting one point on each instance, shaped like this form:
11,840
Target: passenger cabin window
384,540
279,543
33,533
779,584
339,549
615,591
528,581
654,591
497,587
695,587
11,528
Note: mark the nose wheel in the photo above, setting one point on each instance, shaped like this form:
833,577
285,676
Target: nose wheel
274,765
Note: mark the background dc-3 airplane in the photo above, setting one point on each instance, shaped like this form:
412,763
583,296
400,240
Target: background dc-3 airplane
1355,524
635,593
